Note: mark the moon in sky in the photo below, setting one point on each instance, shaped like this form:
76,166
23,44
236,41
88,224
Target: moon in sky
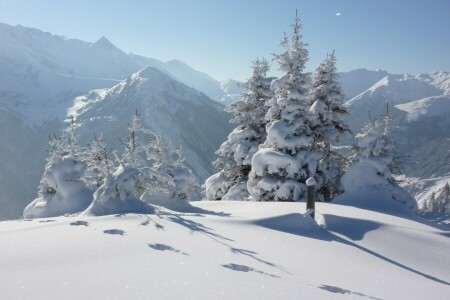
338,14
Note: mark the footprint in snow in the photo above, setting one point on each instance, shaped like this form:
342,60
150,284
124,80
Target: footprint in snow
79,223
338,290
162,247
244,268
114,231
46,221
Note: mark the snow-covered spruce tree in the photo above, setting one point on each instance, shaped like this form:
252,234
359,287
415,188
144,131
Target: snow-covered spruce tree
170,161
369,182
99,165
328,125
286,159
236,153
438,202
121,191
374,144
62,189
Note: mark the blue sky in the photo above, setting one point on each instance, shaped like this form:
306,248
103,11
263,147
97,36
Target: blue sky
222,37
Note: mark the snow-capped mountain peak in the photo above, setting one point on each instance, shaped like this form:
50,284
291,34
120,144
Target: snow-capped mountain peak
103,43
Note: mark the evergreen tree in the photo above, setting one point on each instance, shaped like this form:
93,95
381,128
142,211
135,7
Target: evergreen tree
173,164
135,146
446,198
99,166
328,111
373,144
235,154
285,160
438,202
432,202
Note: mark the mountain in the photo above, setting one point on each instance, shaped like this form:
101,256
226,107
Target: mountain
182,115
40,75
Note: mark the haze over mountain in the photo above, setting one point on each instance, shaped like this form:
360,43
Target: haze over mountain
41,75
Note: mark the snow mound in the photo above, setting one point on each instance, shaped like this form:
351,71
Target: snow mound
62,190
170,203
216,186
120,194
237,192
364,188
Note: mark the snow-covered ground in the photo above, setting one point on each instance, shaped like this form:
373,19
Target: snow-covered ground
232,250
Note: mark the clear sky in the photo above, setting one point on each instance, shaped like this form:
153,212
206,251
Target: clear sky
221,37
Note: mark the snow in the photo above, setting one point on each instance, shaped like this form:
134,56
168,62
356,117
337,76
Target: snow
237,250
62,191
364,187
422,189
216,186
310,181
426,107
120,193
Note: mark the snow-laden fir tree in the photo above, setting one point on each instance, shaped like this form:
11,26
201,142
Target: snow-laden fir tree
236,153
368,182
438,202
62,189
285,160
99,165
328,125
170,161
374,145
135,146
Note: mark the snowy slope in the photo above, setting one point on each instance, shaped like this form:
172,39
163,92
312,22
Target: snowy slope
396,90
426,107
181,115
243,250
421,189
232,91
357,81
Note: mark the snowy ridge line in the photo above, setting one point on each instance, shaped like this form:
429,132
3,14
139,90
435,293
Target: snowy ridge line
90,78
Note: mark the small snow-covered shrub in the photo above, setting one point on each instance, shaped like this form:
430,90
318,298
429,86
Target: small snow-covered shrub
120,193
369,182
61,189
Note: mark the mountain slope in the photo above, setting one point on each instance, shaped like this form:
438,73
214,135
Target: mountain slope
183,116
239,250
426,107
357,81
